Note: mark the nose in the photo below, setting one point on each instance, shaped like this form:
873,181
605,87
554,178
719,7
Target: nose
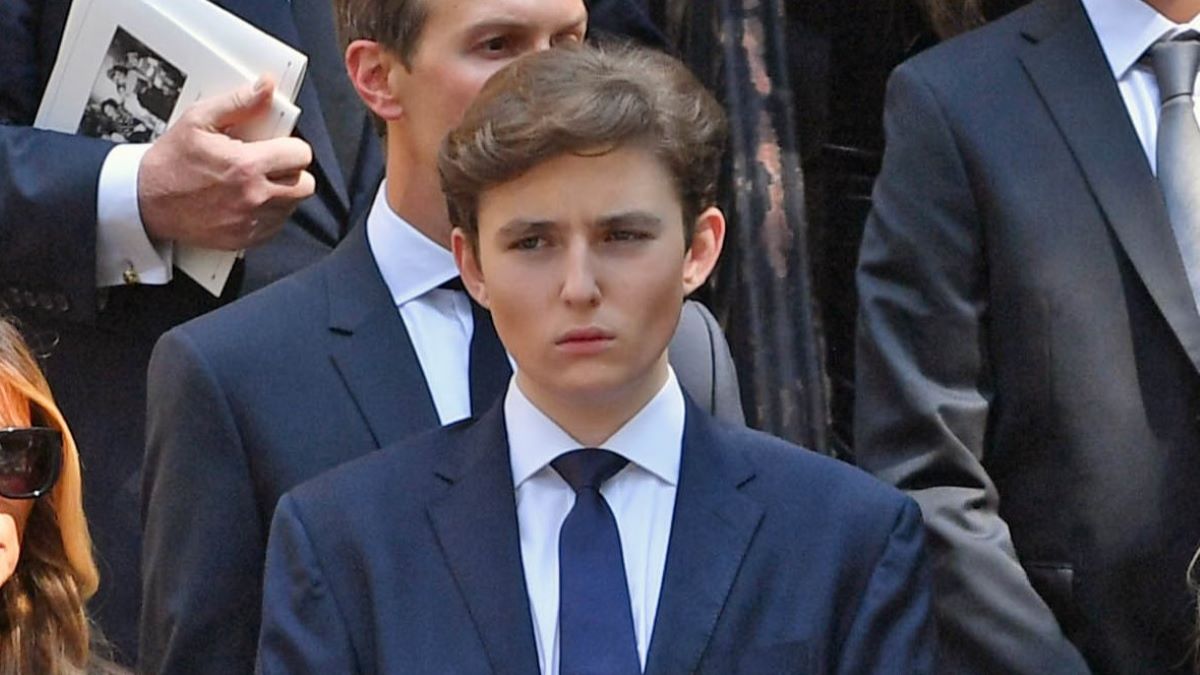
580,285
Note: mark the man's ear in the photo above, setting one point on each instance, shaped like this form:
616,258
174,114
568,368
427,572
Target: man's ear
708,238
369,66
467,258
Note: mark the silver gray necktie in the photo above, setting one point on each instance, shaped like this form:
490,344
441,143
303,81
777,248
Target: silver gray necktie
1178,152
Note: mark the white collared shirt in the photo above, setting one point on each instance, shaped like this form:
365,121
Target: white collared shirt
439,321
1126,29
641,496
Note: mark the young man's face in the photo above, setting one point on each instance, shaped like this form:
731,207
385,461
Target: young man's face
462,43
583,264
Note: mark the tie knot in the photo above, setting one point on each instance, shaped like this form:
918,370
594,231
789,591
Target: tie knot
1175,64
588,467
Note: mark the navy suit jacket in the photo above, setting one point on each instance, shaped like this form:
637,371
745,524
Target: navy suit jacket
98,341
1029,355
779,561
257,397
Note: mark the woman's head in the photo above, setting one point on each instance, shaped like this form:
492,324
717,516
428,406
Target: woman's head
42,622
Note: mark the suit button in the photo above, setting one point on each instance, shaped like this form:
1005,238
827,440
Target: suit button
14,296
61,303
46,301
30,299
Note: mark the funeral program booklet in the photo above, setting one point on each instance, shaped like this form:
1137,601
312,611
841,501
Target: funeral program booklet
127,69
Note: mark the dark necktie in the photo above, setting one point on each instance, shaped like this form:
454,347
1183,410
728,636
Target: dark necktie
1178,147
595,622
489,367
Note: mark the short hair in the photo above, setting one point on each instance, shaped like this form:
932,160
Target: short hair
395,24
577,99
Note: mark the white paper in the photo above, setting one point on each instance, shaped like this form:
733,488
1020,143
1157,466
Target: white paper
240,42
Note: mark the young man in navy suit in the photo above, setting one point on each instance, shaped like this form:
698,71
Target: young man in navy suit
366,347
595,519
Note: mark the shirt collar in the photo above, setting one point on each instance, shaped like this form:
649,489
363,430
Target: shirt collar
651,439
411,263
1127,28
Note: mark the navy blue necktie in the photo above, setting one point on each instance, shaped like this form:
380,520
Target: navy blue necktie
595,623
489,366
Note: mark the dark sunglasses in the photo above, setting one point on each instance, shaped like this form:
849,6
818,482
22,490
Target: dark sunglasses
30,459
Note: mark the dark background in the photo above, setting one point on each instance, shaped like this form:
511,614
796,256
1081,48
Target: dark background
803,81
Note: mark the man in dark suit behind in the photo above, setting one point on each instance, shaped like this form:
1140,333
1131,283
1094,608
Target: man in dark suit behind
87,230
594,520
367,347
1029,341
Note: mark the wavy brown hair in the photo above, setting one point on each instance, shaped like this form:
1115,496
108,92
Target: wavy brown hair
43,625
586,100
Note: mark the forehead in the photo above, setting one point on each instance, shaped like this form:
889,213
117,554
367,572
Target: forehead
450,18
584,188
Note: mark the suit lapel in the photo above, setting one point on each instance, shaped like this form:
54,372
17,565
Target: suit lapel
372,350
712,529
275,17
476,526
1069,70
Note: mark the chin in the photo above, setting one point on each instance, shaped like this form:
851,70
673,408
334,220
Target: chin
603,385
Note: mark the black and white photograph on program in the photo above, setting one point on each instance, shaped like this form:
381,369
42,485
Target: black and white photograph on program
134,93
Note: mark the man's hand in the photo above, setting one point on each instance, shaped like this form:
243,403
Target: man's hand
197,186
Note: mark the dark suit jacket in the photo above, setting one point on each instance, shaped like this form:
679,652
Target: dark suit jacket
780,561
98,342
1028,355
253,399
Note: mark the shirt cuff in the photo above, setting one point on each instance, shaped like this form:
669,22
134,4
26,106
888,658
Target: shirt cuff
124,253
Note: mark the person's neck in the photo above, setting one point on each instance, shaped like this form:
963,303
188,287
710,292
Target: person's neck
1179,11
416,196
593,419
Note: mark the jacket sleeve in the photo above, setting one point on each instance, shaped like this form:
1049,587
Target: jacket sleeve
48,180
924,390
893,630
204,531
303,629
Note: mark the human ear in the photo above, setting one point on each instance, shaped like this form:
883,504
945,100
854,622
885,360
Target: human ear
708,238
466,257
369,66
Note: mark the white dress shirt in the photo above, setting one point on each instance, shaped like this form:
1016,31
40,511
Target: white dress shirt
641,496
439,321
1126,29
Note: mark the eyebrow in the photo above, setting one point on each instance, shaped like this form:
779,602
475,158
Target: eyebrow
627,218
526,226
